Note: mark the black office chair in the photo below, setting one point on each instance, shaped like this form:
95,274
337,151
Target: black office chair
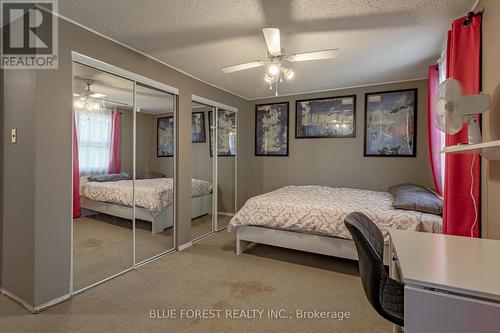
386,295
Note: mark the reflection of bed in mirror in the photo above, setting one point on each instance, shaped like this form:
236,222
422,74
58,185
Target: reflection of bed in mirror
113,195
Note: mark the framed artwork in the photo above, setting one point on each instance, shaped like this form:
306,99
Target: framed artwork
271,129
198,134
226,132
165,137
391,123
331,117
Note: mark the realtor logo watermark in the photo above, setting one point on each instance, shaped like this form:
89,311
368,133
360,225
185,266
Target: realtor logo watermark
29,34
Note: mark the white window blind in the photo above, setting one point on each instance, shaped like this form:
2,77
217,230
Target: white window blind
94,140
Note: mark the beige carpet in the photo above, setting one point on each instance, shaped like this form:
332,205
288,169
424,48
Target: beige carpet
210,276
201,226
103,245
223,221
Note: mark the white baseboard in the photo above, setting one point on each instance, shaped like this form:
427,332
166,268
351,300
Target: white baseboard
184,246
30,307
52,303
18,300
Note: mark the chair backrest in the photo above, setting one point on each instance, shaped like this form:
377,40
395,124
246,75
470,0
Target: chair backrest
369,243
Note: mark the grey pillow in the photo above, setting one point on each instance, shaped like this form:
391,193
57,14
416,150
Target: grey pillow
112,177
149,175
407,187
417,198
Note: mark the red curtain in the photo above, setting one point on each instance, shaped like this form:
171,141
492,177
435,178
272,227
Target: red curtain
433,132
76,175
461,209
115,149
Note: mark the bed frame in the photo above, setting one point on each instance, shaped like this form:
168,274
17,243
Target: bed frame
199,206
246,236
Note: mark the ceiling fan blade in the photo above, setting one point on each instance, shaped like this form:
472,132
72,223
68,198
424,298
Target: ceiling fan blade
316,55
241,67
97,95
272,37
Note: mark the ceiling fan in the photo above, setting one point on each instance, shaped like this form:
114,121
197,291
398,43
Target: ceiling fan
89,100
276,70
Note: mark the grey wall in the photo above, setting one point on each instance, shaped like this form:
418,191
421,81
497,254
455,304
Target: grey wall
37,210
18,189
146,132
340,161
126,140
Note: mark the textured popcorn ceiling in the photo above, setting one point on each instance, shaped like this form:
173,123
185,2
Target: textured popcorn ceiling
380,41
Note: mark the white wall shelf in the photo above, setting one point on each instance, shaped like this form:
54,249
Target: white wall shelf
489,150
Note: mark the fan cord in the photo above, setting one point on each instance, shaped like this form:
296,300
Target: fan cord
472,194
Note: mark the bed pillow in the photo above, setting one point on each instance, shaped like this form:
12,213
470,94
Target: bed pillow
149,175
417,198
407,187
112,177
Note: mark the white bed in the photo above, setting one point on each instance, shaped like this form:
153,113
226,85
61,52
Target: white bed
311,218
153,197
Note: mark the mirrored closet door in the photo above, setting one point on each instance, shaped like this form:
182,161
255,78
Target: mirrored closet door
124,134
154,172
202,171
214,173
102,186
226,166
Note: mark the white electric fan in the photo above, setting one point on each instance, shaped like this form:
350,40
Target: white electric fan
454,109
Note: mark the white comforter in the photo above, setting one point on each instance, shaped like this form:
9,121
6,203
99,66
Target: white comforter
321,210
152,194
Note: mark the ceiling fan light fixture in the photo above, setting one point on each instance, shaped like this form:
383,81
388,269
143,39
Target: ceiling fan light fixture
273,69
79,103
269,78
87,101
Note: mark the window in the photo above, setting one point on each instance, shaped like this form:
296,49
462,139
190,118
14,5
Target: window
94,140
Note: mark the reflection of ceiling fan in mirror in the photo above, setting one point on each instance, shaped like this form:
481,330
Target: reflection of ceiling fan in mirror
276,70
90,100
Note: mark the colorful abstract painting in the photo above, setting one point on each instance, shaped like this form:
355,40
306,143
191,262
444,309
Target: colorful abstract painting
226,133
271,129
165,143
326,118
198,133
390,123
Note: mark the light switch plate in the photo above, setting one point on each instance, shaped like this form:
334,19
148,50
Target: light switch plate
13,136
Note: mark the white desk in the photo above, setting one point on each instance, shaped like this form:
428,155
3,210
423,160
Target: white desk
452,284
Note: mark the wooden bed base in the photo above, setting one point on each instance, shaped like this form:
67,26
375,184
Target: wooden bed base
330,246
199,206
